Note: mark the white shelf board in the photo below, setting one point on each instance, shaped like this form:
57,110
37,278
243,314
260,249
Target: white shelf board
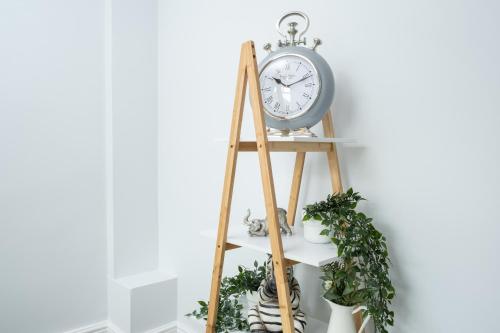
297,139
295,247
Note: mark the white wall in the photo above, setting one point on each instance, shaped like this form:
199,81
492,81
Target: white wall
417,86
52,209
133,73
78,168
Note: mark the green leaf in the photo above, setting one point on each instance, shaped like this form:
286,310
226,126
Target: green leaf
340,250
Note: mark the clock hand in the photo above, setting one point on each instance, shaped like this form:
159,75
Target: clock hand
278,81
291,84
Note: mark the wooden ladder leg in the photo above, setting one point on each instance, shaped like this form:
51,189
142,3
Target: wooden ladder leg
279,262
295,190
333,160
227,192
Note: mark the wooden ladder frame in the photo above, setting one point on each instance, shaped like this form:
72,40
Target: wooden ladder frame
248,72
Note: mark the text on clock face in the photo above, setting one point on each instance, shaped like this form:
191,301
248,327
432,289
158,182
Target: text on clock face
289,85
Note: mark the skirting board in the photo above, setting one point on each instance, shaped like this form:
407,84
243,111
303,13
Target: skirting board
100,327
173,327
108,327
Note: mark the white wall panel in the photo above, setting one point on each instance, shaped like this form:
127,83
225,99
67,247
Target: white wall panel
417,85
52,209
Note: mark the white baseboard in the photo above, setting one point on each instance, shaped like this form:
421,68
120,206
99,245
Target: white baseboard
174,327
168,328
182,329
100,327
107,327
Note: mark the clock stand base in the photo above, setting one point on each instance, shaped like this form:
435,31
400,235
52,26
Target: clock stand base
299,133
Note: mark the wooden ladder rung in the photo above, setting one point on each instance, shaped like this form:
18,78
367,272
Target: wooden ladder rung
284,146
231,246
290,262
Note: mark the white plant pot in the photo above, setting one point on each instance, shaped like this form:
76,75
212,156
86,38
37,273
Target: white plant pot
249,300
312,230
342,320
252,298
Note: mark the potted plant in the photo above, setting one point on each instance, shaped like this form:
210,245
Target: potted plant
237,294
360,276
312,222
318,216
247,282
230,317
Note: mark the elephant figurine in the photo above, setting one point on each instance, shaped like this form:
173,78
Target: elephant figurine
260,227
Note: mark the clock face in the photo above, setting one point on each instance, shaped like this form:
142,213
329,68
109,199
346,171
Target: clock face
290,85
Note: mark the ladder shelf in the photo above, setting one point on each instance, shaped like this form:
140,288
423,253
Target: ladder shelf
287,250
295,248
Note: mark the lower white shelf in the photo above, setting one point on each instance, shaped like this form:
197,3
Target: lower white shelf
295,247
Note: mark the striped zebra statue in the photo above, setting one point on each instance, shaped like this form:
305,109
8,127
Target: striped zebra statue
265,316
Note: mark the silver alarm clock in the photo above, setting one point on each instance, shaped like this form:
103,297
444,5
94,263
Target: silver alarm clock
296,83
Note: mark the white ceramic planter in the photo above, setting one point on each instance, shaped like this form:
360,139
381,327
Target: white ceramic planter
341,319
312,230
252,298
248,300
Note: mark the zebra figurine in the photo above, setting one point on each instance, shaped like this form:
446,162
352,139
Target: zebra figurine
265,316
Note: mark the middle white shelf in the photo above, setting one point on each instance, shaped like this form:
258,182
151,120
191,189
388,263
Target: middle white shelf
295,247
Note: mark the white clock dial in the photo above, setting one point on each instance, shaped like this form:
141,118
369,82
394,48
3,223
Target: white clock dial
290,85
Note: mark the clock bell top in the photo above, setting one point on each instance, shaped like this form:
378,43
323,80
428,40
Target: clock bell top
293,36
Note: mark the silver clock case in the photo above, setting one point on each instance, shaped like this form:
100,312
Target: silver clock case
321,105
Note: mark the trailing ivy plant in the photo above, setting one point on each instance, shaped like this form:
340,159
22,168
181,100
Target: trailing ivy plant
361,275
247,279
333,208
230,316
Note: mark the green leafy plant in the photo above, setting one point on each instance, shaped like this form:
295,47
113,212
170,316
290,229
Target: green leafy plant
333,208
247,279
229,315
361,275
